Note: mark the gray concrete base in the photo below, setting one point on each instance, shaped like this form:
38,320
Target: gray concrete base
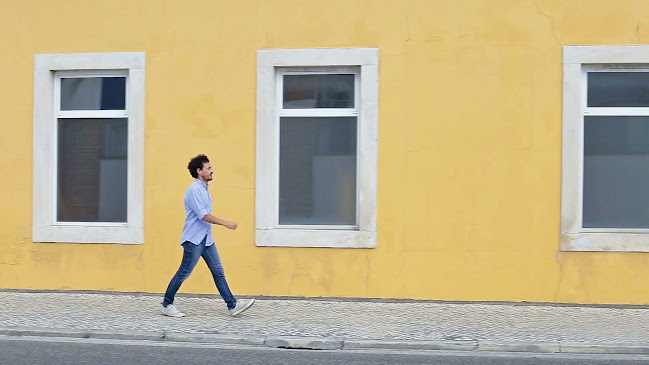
318,343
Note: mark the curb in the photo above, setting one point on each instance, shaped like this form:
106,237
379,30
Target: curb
564,348
535,347
464,345
633,349
131,335
308,343
213,339
331,343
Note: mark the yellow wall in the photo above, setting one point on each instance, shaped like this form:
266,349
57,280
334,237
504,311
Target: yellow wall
469,144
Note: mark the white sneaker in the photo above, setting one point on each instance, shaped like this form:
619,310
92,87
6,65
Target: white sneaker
171,311
241,306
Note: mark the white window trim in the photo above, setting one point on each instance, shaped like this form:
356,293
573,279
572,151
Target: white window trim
267,232
577,59
45,228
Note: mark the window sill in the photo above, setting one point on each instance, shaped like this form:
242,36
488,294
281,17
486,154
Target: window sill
605,242
281,237
89,234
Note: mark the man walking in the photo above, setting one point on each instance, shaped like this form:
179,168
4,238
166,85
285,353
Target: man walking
197,241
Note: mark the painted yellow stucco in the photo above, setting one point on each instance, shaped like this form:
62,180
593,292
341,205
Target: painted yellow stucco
469,148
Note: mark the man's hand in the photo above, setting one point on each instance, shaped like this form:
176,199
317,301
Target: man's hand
230,225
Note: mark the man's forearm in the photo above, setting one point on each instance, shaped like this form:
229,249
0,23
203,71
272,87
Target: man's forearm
214,220
227,224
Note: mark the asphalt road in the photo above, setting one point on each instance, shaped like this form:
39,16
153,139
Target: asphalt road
40,350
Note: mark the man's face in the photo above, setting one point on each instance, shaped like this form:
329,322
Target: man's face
206,172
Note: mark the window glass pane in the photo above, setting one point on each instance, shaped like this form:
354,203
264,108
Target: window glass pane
92,170
618,89
616,172
93,93
317,171
318,91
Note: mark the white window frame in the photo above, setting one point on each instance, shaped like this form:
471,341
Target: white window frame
271,64
577,61
48,69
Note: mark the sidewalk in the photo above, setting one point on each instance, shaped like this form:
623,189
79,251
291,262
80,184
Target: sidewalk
331,324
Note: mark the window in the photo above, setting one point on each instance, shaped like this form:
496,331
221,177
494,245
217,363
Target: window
316,148
88,148
605,183
92,151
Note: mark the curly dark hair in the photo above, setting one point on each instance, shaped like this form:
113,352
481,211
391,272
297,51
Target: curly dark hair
197,163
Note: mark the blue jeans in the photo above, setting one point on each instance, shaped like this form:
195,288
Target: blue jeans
191,255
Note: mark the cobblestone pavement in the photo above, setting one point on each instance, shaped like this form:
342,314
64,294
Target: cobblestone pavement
351,320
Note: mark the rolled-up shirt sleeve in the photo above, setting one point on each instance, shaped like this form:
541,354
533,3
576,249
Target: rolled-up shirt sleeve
197,204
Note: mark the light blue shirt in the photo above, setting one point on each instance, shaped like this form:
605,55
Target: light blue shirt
198,204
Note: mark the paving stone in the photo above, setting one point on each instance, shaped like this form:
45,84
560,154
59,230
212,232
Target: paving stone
431,322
